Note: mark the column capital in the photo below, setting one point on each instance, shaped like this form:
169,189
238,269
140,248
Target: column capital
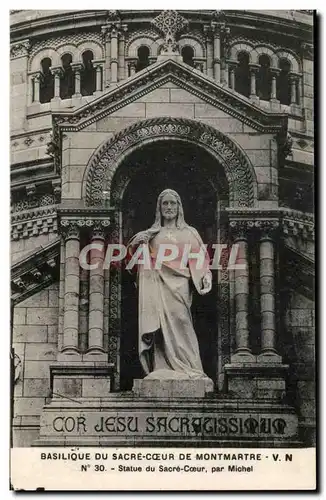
37,76
56,70
240,228
254,68
294,77
267,228
98,63
69,230
77,66
275,71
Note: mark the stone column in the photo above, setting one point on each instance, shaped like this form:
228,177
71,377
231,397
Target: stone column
121,53
241,294
132,67
209,51
57,72
274,102
77,68
293,82
96,294
217,53
114,55
253,92
267,294
232,76
71,296
37,78
107,64
98,65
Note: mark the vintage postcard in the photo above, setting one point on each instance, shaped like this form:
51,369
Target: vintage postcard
162,227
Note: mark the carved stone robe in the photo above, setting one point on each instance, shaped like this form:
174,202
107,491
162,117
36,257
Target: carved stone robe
168,345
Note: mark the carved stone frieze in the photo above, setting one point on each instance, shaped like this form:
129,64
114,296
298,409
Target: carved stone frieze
31,275
27,223
19,49
296,223
104,163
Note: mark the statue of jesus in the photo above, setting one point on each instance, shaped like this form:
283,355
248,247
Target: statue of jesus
168,345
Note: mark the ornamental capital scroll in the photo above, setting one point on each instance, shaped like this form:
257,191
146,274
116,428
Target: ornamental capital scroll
72,227
170,23
240,228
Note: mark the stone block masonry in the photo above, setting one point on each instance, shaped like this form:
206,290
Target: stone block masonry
35,342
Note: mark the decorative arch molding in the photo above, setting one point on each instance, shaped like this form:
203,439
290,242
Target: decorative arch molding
69,49
294,63
199,50
106,160
263,50
35,63
243,47
143,40
93,46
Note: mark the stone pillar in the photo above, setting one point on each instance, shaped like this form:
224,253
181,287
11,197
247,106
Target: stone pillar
267,295
121,53
77,68
232,76
98,69
241,294
114,55
61,293
132,67
253,92
293,82
37,78
57,72
209,51
273,87
107,64
217,53
96,294
274,102
71,296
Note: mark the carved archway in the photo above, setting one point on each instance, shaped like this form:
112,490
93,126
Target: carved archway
104,163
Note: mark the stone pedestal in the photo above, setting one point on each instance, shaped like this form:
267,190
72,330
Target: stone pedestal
127,420
80,379
154,388
255,380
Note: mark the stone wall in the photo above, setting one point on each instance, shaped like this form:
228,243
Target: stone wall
299,352
35,342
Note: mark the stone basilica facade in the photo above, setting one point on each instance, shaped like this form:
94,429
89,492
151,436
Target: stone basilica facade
107,109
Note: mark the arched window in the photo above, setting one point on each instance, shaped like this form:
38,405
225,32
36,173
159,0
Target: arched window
47,82
242,75
264,79
143,58
67,83
88,74
187,53
283,83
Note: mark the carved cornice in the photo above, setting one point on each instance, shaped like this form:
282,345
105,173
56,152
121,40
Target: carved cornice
296,223
35,272
27,223
75,220
19,49
290,222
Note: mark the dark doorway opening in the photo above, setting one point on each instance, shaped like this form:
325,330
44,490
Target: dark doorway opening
196,176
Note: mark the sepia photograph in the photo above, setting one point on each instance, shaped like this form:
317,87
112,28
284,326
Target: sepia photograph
162,249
